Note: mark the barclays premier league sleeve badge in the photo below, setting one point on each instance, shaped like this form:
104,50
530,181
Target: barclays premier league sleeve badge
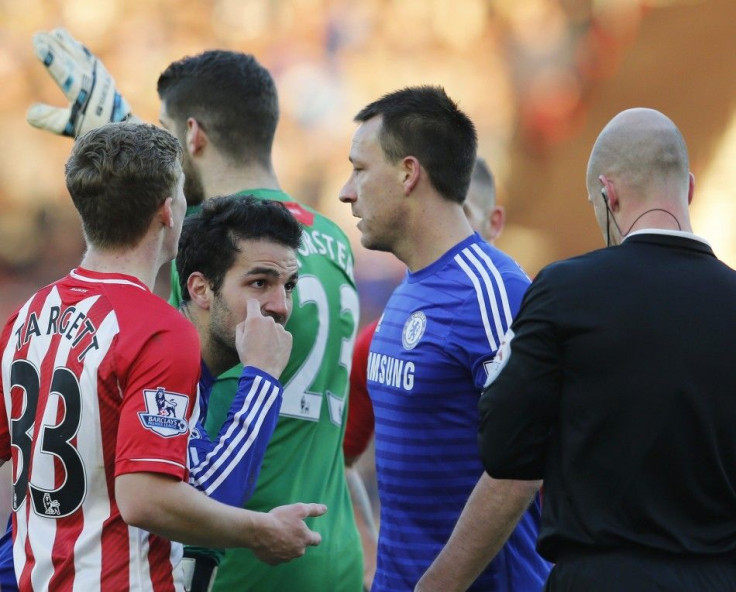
165,412
493,367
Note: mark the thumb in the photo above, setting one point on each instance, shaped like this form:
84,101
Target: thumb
239,331
253,308
52,119
315,538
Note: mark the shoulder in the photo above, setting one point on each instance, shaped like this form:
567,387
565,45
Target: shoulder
30,310
569,284
143,315
129,300
585,264
325,248
487,272
13,322
329,226
480,257
311,219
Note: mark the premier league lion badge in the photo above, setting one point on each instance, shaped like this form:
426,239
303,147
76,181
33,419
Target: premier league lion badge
493,367
165,412
413,329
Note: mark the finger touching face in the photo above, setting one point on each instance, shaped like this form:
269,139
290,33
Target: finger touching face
262,278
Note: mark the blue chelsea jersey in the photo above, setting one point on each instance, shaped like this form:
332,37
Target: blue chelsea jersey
430,357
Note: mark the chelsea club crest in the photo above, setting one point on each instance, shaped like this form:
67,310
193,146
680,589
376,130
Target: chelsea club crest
413,329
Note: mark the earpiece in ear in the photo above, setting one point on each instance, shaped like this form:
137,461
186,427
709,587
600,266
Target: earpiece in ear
603,194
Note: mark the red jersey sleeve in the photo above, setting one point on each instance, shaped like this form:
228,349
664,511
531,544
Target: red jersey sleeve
159,397
359,428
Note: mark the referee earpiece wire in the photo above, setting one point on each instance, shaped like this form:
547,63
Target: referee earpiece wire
609,213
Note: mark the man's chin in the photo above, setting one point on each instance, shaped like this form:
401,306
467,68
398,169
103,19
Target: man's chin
373,245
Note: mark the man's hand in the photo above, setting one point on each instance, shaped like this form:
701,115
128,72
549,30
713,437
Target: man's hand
287,536
94,100
261,342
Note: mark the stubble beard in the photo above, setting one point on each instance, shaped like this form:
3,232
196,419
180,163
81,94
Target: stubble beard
373,243
221,336
193,189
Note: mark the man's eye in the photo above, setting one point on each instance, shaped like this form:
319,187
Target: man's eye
290,286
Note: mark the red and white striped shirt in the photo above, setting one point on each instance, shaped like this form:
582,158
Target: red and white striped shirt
99,378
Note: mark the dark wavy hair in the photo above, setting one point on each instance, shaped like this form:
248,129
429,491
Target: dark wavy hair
209,239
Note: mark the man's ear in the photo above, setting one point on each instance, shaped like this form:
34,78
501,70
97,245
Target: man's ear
196,138
410,172
609,193
497,220
199,290
166,213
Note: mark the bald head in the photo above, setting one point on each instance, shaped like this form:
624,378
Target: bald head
642,152
638,175
480,207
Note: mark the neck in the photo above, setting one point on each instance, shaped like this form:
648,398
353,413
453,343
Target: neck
660,218
217,357
225,179
138,263
430,233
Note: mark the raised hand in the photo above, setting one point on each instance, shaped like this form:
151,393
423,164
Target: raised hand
94,100
287,536
261,341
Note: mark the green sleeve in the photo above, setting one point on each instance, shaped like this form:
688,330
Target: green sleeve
175,293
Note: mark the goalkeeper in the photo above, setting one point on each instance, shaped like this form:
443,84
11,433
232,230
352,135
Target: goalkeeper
223,108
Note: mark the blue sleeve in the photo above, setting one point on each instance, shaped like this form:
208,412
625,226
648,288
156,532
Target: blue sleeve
479,329
7,574
227,468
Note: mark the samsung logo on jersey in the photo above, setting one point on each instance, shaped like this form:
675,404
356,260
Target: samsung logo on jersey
390,371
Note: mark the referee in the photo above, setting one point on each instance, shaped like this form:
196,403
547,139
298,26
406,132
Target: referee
616,384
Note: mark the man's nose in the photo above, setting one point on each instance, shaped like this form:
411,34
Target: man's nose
347,193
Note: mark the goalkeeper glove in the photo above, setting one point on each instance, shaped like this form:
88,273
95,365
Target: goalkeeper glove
85,82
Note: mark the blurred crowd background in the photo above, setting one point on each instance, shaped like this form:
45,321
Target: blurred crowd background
539,78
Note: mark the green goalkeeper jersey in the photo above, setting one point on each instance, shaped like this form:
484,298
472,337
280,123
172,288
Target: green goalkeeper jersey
304,460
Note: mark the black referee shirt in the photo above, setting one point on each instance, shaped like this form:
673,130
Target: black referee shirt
619,390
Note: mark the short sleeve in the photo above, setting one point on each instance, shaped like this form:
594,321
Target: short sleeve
158,399
484,320
517,406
